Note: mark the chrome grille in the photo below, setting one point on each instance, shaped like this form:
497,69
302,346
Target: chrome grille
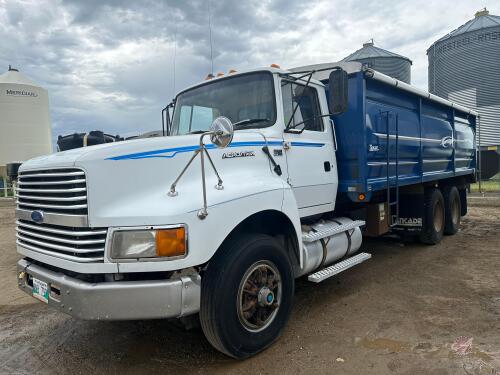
61,191
74,244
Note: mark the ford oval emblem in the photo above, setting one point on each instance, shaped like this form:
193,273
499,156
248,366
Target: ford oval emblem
37,216
447,142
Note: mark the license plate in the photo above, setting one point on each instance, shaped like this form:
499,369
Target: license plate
40,290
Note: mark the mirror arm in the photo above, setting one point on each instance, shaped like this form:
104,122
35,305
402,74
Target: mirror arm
165,118
312,71
217,129
294,130
298,101
168,120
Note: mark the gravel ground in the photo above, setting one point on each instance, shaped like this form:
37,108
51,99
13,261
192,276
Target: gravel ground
411,309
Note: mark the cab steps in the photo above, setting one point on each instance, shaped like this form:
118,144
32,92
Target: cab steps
337,268
329,230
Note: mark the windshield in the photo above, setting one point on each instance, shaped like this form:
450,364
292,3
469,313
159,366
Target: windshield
247,99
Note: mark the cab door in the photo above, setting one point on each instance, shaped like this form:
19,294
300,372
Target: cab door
309,148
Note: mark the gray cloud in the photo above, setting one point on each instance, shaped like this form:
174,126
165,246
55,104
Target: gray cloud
109,64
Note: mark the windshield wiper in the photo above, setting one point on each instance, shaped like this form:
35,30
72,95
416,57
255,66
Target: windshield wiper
244,124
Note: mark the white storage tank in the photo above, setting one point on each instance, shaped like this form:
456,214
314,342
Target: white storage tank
25,130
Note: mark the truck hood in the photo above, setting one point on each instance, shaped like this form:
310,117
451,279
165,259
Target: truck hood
71,158
127,182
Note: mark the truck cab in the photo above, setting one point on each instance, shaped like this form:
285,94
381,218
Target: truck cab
264,102
216,219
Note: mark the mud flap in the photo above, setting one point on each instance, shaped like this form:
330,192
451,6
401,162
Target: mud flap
411,211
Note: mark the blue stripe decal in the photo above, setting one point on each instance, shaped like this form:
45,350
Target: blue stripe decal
307,144
169,153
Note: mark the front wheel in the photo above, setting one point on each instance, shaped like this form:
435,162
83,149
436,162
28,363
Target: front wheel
246,295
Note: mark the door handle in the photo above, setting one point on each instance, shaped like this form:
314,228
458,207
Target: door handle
327,166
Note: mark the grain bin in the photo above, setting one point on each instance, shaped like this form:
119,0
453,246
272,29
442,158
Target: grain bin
24,122
384,61
464,67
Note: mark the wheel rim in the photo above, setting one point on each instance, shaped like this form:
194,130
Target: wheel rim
455,214
259,296
438,217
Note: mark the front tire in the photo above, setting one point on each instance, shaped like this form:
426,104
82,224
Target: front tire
246,295
452,209
434,217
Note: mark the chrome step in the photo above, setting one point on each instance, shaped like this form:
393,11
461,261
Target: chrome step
328,230
336,268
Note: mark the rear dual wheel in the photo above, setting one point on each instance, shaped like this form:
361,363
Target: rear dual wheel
434,217
452,209
442,212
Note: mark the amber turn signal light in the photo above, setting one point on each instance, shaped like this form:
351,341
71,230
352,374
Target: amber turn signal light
171,242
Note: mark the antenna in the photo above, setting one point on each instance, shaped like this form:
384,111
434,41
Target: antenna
210,33
175,56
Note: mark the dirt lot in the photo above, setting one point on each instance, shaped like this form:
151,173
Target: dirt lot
412,309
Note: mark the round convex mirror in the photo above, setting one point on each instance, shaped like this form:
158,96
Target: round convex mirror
222,132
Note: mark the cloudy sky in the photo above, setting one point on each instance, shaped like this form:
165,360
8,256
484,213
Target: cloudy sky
109,65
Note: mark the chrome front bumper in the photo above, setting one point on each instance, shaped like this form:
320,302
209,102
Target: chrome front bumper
117,300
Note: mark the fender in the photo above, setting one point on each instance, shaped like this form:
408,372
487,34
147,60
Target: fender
206,236
270,221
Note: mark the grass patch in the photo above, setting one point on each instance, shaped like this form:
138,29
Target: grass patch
9,193
486,186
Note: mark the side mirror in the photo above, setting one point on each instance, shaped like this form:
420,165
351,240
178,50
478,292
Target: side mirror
337,85
222,131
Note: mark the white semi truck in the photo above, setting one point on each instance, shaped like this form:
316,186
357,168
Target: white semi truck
263,176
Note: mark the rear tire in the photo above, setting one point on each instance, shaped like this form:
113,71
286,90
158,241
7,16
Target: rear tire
452,209
246,295
434,217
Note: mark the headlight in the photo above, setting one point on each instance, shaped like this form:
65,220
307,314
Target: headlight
134,244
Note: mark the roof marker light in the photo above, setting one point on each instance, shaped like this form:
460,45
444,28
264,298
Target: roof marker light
275,66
